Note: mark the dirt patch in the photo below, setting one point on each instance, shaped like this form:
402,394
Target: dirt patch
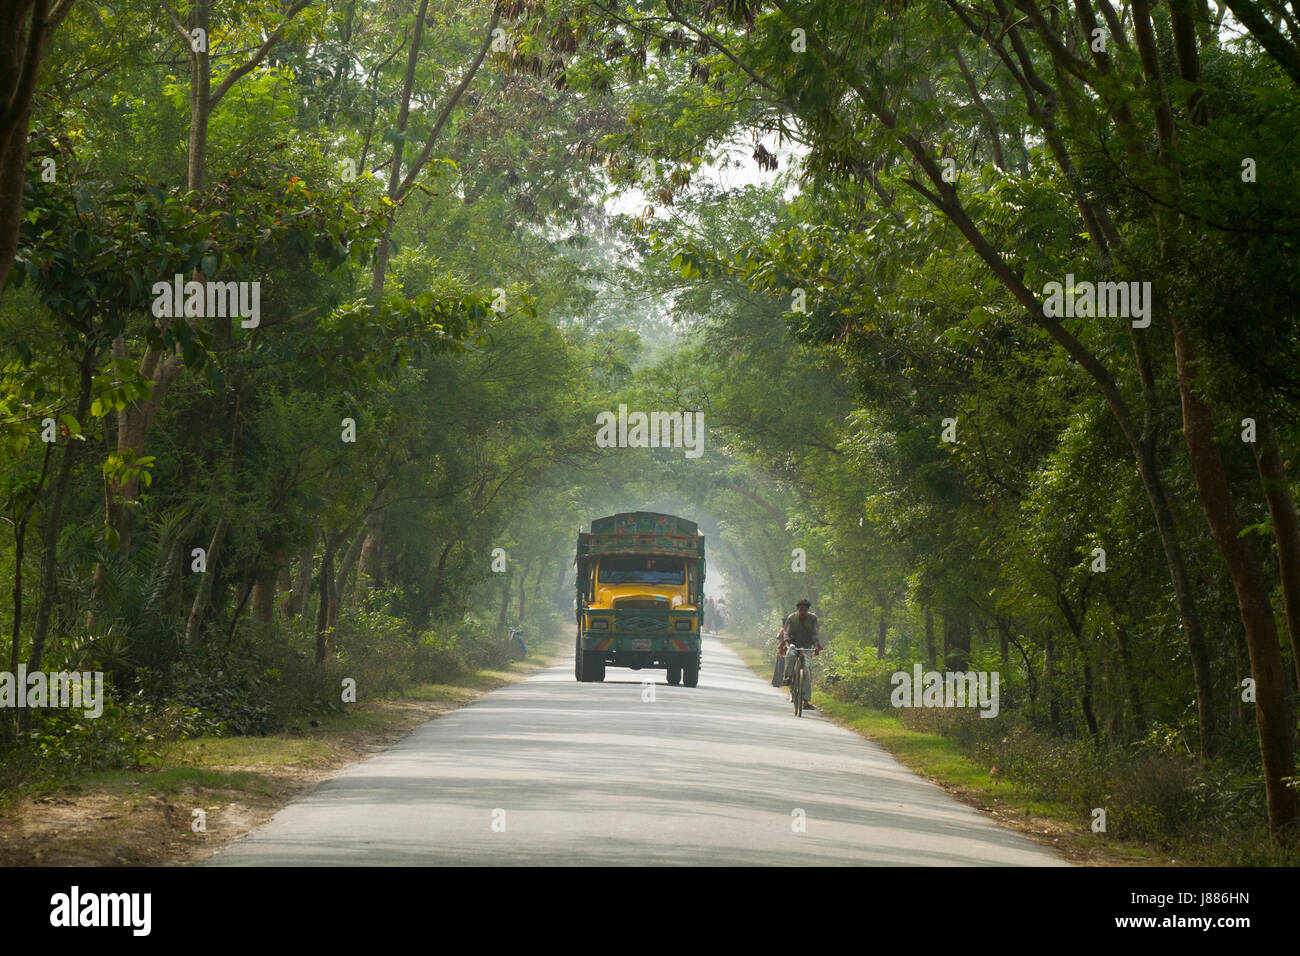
1064,840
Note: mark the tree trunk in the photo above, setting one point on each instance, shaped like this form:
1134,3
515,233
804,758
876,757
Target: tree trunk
200,90
25,30
1049,682
326,598
956,640
1197,645
435,591
1273,719
771,577
346,564
283,580
1286,529
194,626
1241,660
882,628
264,596
1126,666
523,580
54,517
1085,702
133,424
929,636
240,605
380,269
297,603
20,544
505,603
370,571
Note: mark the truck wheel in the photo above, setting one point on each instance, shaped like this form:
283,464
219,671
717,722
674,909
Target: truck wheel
577,659
674,674
691,673
593,668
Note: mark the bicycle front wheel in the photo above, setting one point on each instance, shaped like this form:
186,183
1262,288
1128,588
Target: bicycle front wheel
796,691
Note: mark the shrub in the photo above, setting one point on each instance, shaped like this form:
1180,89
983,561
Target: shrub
375,649
62,742
441,658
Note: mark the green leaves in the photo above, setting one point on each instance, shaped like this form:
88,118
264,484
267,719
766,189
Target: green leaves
392,137
117,386
122,467
70,427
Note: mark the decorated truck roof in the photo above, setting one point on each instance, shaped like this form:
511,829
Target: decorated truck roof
641,532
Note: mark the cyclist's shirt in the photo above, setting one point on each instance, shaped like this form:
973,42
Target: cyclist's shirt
801,633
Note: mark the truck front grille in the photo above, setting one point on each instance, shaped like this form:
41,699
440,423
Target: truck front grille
642,623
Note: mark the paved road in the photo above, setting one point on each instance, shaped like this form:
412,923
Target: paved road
550,771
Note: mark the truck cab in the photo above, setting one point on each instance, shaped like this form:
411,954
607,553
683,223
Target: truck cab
640,584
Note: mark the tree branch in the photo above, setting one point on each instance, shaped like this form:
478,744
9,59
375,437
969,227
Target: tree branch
176,22
450,105
234,76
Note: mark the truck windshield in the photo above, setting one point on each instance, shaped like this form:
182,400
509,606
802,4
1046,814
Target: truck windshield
642,570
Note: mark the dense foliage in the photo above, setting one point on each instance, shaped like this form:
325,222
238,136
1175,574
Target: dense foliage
904,421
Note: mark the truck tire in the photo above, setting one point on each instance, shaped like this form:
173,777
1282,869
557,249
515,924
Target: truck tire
577,658
691,673
593,668
674,674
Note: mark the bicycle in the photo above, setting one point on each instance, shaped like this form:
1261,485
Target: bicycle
797,680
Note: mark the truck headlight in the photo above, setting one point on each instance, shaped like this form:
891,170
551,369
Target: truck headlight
682,624
599,624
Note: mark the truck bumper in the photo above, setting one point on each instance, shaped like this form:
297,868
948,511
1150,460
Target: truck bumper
642,651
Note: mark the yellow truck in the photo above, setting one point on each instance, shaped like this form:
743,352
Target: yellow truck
640,598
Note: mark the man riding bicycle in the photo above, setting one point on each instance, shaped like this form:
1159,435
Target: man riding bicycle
799,629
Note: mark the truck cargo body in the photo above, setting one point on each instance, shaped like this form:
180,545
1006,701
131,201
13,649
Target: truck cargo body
640,587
